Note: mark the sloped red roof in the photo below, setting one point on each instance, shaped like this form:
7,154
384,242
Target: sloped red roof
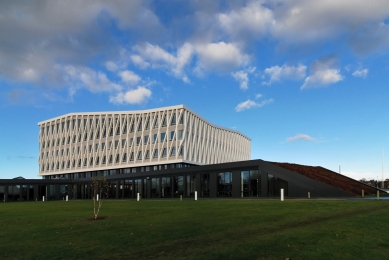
329,177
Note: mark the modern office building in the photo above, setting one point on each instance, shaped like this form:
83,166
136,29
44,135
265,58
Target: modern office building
163,153
80,145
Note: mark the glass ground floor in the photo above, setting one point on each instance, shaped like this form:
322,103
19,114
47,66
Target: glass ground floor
244,183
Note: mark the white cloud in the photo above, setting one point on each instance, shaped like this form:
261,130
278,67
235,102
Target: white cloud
300,137
251,104
361,73
323,72
252,19
258,96
159,58
129,77
139,61
111,66
242,77
94,81
277,73
133,96
220,56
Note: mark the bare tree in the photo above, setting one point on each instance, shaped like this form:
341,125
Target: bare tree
99,188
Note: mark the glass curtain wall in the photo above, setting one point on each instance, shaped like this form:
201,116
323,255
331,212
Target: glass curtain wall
224,184
155,189
166,191
204,185
138,187
178,184
250,183
190,185
127,189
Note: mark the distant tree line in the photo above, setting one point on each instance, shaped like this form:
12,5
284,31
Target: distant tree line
376,183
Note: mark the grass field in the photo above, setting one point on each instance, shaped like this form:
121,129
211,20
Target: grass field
204,229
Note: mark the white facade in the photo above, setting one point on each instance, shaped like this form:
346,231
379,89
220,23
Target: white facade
81,142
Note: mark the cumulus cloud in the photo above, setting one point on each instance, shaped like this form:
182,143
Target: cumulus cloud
252,19
94,81
149,54
251,104
129,77
277,73
242,77
301,137
361,73
132,96
220,56
322,73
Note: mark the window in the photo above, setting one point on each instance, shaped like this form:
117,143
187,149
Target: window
111,131
91,161
78,150
173,119
156,122
181,153
140,125
118,130
173,151
67,151
96,147
132,156
104,159
97,160
102,146
117,158
91,136
155,155
97,134
123,143
109,145
180,132
116,144
125,157
85,162
224,184
139,155
164,121
131,140
147,127
125,129
147,155
110,158
138,140
163,137
56,153
90,148
171,135
155,138
145,139
61,152
164,153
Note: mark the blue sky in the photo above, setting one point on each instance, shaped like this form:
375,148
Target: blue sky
306,80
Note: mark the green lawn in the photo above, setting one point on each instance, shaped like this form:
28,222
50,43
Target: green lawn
204,229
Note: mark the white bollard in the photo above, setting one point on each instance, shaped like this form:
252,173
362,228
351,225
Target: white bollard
67,197
43,198
137,196
97,197
282,194
195,195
